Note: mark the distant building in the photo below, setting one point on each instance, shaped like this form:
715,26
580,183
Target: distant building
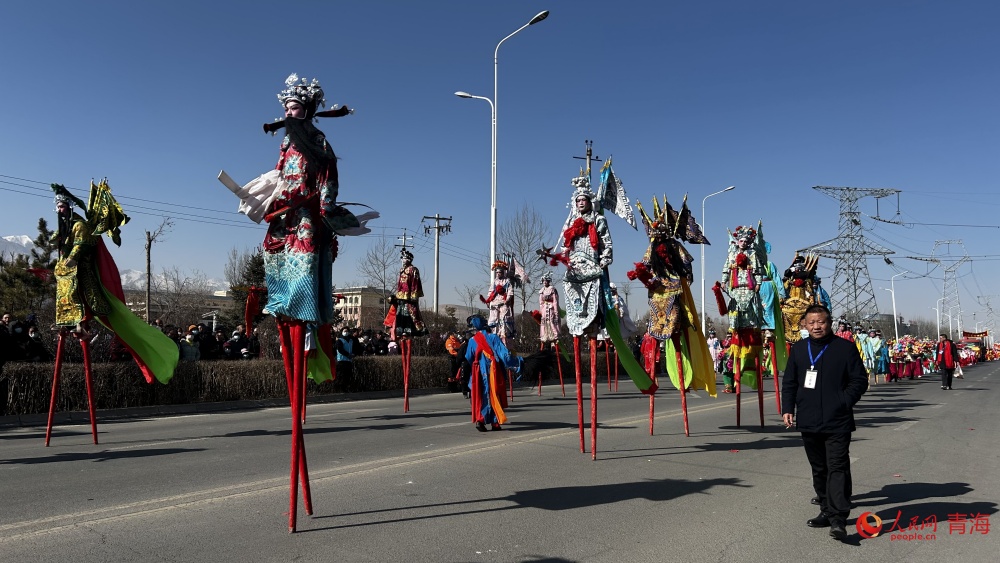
362,306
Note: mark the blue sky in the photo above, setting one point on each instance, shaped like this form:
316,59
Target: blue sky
689,97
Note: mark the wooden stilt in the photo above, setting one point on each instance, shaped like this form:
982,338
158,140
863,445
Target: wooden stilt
607,360
774,374
303,466
89,382
541,347
737,371
760,389
404,352
579,390
559,364
616,370
55,385
680,379
593,398
652,408
293,486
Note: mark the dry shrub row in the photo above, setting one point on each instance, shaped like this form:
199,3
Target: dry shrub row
121,385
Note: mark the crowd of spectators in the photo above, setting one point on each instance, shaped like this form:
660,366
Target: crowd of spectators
21,341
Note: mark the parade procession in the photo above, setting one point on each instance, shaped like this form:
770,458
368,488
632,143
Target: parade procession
434,327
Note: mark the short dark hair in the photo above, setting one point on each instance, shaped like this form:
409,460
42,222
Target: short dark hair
816,308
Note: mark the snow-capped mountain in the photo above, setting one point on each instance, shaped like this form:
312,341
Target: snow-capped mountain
15,244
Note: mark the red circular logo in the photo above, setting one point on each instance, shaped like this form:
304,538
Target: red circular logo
866,529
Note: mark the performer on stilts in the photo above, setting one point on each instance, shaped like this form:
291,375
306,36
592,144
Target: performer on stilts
665,271
298,200
550,324
404,320
88,287
775,351
743,275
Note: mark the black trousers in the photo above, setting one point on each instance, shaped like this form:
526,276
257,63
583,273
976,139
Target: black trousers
830,459
946,375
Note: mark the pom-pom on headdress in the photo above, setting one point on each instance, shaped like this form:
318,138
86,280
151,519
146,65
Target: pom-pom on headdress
547,276
308,93
499,265
581,185
405,255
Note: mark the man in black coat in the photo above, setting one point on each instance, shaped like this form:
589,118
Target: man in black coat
824,379
946,356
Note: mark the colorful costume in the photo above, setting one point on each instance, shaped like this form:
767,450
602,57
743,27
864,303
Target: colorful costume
490,360
88,286
548,307
404,316
500,302
746,266
799,282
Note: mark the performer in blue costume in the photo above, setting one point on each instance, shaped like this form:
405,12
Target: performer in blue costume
490,359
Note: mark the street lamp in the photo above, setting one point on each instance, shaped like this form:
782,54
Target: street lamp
951,331
938,311
895,319
493,179
703,229
493,110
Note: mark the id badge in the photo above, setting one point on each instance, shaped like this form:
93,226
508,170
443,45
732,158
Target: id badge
811,378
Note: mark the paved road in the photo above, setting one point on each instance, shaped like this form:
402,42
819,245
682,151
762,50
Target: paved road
425,486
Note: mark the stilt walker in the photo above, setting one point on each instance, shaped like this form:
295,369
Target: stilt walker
404,320
298,200
88,287
586,250
772,292
665,271
743,274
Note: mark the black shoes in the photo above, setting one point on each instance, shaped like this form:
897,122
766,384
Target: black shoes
814,500
481,427
495,427
838,529
821,521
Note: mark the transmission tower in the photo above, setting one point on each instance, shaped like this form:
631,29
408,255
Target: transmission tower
990,323
949,289
851,292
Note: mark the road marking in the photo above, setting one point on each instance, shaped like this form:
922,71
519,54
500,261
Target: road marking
906,425
937,406
154,444
450,424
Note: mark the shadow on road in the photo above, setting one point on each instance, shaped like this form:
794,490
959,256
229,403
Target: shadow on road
99,456
552,498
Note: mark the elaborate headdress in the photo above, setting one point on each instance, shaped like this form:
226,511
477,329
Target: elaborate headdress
63,196
405,255
309,94
499,265
744,232
582,188
547,276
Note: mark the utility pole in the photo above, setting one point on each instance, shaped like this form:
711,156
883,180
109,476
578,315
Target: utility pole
590,156
402,247
437,227
150,239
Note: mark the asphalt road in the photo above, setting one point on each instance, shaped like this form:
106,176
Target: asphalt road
425,486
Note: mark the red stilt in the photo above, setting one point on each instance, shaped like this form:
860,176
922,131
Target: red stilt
540,347
652,408
579,390
510,382
760,390
559,364
55,386
774,374
616,370
680,379
404,351
89,382
607,361
737,370
593,398
293,486
303,466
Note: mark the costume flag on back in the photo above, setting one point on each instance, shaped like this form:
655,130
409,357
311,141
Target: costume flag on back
612,195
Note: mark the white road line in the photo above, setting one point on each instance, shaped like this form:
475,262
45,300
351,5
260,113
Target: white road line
938,405
154,444
444,425
905,425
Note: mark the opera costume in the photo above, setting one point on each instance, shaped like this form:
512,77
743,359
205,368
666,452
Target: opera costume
298,200
500,301
548,307
665,271
799,282
403,319
88,286
490,360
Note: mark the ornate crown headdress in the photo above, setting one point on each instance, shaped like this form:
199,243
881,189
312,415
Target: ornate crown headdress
499,265
308,93
405,254
582,187
547,276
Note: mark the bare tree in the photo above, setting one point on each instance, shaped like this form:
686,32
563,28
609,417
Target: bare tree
155,236
470,296
521,236
380,264
181,297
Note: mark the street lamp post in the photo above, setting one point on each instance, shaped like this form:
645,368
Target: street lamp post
938,311
895,319
703,229
951,330
493,110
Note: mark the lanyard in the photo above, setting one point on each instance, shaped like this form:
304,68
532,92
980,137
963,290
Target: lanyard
813,360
